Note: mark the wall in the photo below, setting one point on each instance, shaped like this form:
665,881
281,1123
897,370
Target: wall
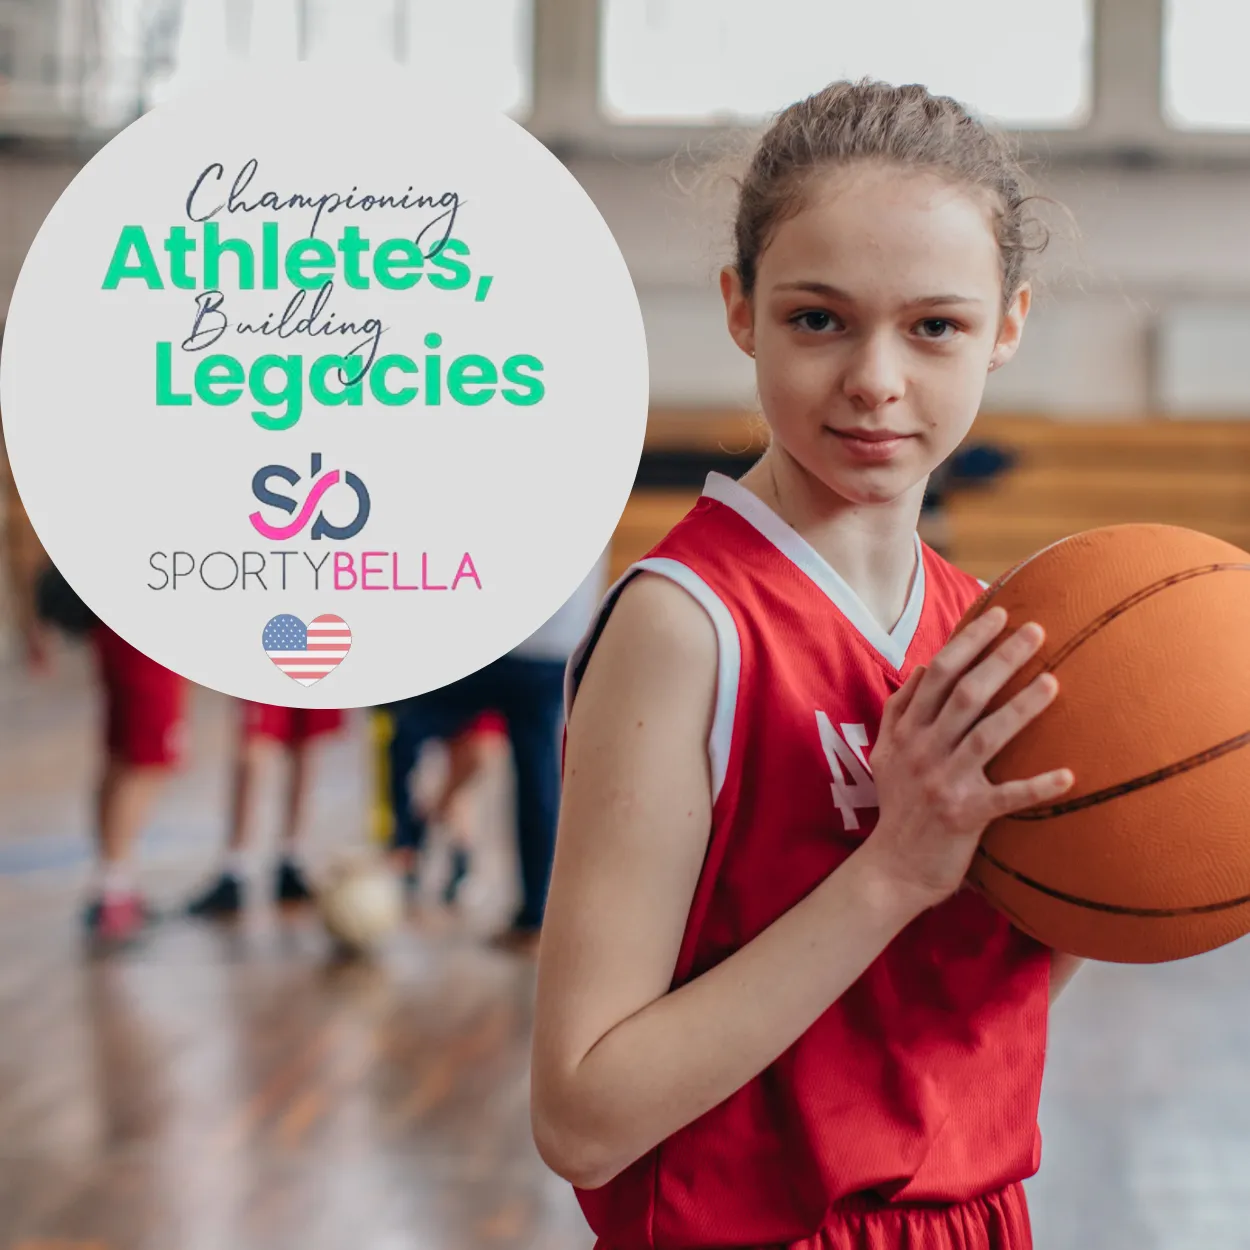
1146,309
1123,324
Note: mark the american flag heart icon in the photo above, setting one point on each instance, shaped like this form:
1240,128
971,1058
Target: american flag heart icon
307,653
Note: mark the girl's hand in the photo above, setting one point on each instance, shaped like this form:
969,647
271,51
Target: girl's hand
930,757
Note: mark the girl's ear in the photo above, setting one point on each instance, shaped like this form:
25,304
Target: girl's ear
739,314
1011,329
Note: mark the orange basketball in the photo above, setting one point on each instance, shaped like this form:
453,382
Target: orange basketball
1147,857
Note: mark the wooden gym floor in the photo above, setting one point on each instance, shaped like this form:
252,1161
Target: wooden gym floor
234,1089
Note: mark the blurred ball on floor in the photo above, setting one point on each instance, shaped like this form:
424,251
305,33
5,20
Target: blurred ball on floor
361,903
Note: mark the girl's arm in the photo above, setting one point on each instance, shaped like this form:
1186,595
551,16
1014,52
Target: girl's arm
620,1062
1063,967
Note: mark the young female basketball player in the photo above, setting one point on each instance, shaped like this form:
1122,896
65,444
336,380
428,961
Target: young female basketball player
768,1015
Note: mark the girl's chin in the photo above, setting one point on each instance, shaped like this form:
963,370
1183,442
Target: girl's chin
865,488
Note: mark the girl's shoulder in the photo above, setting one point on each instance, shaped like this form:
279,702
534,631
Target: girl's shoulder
652,616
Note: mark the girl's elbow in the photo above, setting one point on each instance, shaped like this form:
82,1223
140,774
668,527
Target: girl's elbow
579,1159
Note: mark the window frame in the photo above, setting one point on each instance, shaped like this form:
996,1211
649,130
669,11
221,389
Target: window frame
1126,124
628,10
1173,122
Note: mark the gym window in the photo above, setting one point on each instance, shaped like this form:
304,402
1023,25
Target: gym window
1205,86
1024,64
487,41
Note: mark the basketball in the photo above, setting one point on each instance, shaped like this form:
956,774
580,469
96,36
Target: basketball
1147,858
361,903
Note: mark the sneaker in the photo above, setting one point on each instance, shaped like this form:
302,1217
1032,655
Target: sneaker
223,898
290,885
459,870
91,913
117,920
406,864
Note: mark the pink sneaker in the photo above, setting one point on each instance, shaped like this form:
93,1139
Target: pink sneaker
118,919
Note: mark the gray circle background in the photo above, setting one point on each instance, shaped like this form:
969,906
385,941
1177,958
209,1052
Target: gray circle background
532,493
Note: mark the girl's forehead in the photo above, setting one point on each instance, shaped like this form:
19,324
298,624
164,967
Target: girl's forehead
887,223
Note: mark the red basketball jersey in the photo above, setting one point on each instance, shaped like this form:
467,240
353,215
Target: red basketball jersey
921,1084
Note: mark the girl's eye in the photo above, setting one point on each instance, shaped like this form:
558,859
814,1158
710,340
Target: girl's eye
934,327
815,320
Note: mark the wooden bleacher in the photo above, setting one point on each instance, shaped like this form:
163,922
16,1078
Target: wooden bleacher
651,513
1070,475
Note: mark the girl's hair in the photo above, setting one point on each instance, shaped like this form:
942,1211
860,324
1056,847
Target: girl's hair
872,122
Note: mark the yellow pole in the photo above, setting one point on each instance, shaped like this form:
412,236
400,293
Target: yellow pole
382,820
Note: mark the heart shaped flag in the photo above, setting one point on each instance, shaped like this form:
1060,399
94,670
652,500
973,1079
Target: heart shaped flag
307,653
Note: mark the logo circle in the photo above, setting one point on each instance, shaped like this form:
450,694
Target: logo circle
320,346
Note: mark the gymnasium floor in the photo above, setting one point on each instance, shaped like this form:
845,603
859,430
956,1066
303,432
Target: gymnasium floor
235,1089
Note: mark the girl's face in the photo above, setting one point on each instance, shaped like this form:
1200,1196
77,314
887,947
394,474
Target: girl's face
876,316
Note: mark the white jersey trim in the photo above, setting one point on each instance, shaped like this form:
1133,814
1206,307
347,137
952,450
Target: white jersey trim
893,644
728,655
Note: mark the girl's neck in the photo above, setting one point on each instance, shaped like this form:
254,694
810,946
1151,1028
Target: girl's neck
871,546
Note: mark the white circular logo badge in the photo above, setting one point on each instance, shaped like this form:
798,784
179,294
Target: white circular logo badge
322,390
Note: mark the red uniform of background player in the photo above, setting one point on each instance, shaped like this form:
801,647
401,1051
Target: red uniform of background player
144,732
143,737
767,1013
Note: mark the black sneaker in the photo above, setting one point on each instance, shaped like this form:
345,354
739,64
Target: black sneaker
223,898
290,885
459,870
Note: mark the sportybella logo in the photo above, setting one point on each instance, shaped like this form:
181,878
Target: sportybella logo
289,568
322,528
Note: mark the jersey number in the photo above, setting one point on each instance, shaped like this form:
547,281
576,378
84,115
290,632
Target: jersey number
853,786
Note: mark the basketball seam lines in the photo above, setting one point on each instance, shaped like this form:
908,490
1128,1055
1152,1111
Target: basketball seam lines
1161,774
1227,747
1137,783
1131,602
1114,908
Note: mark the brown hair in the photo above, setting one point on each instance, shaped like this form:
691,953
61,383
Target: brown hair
867,121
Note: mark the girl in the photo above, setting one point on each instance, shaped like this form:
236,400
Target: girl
767,1013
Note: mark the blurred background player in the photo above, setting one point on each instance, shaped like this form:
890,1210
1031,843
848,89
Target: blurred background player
298,732
142,722
525,688
449,803
472,756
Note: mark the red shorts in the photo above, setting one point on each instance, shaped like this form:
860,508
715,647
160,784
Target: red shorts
289,725
997,1221
143,703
